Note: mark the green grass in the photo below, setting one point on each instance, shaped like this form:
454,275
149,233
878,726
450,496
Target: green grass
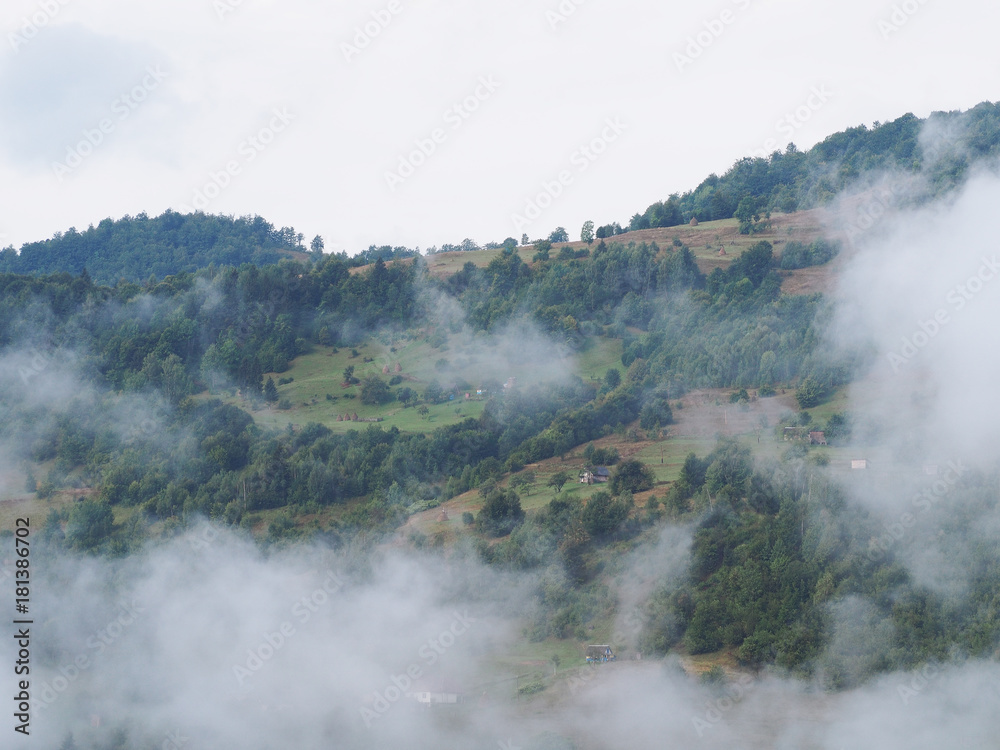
838,402
321,373
666,457
599,356
446,264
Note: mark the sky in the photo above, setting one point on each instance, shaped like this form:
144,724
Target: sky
423,122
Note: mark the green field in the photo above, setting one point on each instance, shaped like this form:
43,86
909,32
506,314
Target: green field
317,393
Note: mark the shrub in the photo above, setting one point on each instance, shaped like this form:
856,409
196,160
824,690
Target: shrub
375,391
633,476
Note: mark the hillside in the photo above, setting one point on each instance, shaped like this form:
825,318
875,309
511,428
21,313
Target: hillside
705,240
747,478
135,248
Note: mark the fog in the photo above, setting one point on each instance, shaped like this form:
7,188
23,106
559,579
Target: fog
207,640
204,640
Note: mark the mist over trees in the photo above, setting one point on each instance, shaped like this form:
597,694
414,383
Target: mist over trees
115,415
793,180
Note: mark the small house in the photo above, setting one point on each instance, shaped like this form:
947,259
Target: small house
428,698
433,693
599,654
817,438
587,477
601,474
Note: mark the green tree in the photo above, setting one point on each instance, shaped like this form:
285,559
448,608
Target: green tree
349,375
633,476
90,522
559,234
375,391
810,393
766,370
501,513
749,214
542,249
434,392
602,515
557,480
270,391
754,264
612,378
523,480
693,471
587,232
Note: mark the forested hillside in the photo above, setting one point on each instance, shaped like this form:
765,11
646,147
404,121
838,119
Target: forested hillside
162,371
787,181
136,248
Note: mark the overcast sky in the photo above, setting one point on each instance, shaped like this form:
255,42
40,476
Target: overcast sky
316,108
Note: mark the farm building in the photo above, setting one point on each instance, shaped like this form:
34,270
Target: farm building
859,463
434,694
817,438
599,654
599,475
